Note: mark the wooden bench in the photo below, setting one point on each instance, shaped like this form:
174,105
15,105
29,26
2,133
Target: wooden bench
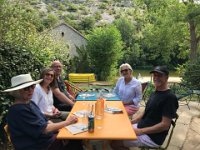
82,77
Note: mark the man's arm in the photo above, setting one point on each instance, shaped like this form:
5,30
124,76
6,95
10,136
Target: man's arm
62,97
136,118
162,126
71,97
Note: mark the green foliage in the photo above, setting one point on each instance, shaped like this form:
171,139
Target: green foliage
191,74
147,91
22,48
72,7
160,28
50,8
103,6
104,48
130,37
50,20
61,7
192,16
126,29
164,35
97,15
81,63
180,90
87,23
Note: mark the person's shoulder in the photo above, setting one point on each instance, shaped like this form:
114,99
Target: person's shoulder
17,108
37,87
171,96
170,92
135,81
120,79
61,78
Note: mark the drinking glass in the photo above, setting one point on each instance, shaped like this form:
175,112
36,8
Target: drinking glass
83,98
99,122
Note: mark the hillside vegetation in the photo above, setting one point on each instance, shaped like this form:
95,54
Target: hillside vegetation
143,33
84,15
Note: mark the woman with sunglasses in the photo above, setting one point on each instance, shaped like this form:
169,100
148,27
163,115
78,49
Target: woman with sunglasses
28,127
128,89
43,96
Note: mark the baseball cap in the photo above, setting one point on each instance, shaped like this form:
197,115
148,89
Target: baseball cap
161,69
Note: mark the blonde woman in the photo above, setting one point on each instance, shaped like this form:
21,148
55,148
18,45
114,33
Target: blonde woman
128,89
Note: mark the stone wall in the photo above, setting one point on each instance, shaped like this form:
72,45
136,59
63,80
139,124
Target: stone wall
69,35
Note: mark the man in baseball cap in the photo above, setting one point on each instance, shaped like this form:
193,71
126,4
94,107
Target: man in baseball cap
161,69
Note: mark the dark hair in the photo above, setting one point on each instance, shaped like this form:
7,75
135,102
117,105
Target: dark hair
44,72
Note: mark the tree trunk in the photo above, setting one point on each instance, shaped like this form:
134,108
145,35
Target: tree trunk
193,41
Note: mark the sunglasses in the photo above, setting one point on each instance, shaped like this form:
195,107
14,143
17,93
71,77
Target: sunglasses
57,66
159,75
29,87
125,70
49,74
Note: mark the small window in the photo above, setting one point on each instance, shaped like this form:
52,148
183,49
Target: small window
62,34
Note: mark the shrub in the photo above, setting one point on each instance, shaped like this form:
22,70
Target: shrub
87,23
22,48
104,48
50,20
191,74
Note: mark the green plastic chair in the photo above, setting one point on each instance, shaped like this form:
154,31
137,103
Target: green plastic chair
183,93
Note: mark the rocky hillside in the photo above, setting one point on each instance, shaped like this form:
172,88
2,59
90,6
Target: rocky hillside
83,14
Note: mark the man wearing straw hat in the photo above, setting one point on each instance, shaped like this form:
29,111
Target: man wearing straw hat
28,127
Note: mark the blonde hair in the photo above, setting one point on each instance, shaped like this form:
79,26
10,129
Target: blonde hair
125,65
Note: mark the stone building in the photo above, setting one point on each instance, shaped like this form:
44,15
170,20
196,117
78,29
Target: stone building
72,37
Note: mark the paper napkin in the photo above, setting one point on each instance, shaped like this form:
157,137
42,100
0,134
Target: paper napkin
77,128
113,110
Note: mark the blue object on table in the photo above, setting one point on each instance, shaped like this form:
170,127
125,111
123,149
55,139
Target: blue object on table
89,96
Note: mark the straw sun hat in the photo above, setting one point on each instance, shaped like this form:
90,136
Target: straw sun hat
21,81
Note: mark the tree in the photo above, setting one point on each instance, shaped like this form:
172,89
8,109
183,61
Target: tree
193,17
130,37
165,35
50,20
22,48
191,74
81,63
104,49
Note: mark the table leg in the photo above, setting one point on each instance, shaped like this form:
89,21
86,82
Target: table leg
87,145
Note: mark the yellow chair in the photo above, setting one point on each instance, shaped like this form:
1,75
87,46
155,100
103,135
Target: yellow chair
82,77
7,132
8,143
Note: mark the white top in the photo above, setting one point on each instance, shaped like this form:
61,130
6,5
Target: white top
43,100
131,91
